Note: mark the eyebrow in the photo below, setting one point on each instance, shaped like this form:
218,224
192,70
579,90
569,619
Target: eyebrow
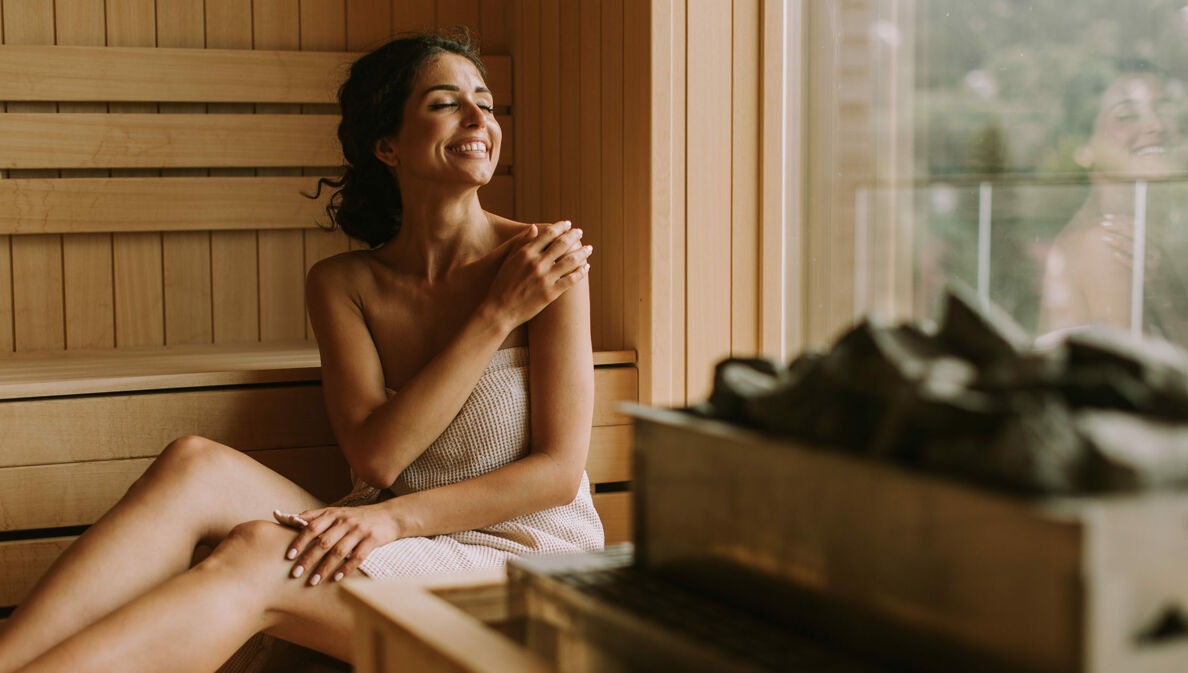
451,87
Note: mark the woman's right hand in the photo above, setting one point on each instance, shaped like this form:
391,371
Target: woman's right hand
539,265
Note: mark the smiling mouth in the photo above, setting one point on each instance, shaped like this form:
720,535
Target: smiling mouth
1152,151
474,147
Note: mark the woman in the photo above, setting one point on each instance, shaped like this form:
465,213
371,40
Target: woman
447,309
1130,119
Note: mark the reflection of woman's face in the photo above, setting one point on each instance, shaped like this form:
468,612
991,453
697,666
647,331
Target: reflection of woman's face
1135,131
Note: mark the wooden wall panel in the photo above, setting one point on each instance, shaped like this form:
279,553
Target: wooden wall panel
744,181
37,275
550,112
136,259
526,107
610,259
235,303
410,15
637,184
709,155
276,24
368,24
452,13
588,211
185,256
496,18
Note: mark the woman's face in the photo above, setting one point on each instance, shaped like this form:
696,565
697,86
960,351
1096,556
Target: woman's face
449,131
1136,132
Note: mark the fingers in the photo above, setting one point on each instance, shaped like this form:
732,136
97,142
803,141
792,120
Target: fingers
321,549
331,566
356,558
573,261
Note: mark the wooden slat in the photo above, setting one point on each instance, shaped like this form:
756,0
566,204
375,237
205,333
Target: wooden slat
235,300
413,15
709,155
615,511
82,373
590,174
495,31
151,140
86,258
282,287
368,24
139,290
551,148
89,205
637,171
571,90
744,179
526,111
451,13
6,344
37,293
609,458
613,385
84,491
131,74
63,430
612,250
23,562
186,269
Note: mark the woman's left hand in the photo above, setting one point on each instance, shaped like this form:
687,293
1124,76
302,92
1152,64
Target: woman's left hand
338,539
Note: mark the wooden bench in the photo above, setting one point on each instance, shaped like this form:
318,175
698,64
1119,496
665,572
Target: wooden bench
79,428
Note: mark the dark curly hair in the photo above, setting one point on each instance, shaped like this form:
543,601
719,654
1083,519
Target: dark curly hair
367,204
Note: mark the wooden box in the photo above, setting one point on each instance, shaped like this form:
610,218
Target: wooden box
934,573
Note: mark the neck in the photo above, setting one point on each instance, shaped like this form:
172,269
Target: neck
440,231
1116,198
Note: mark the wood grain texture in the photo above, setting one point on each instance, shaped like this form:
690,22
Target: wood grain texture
108,427
23,562
235,298
496,20
637,196
282,285
589,176
551,148
614,151
6,336
708,197
413,15
86,259
368,24
38,311
615,510
455,13
139,290
609,458
92,205
526,112
744,180
177,140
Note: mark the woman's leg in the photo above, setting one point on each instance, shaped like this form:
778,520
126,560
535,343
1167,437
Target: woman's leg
196,491
196,620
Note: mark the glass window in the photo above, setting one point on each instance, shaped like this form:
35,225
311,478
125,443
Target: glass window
1031,149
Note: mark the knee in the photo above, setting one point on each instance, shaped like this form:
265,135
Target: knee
252,544
185,459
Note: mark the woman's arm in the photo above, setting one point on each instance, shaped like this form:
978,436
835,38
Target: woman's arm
381,435
561,398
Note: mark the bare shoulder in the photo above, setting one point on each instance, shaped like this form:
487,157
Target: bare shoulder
505,228
344,273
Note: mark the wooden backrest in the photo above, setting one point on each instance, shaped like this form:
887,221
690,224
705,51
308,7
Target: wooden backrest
171,211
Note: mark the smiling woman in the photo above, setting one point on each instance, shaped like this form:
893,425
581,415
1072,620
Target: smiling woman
458,375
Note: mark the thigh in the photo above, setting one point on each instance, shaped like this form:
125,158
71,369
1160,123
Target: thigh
225,487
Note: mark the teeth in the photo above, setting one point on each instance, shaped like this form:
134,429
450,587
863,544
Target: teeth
470,147
1148,151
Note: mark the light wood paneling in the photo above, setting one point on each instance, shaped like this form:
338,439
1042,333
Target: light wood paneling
168,75
609,458
636,176
709,213
411,15
496,21
138,426
614,385
37,302
368,24
744,181
610,260
527,110
550,113
37,293
93,205
23,562
615,511
588,213
451,13
86,259
182,140
139,290
6,336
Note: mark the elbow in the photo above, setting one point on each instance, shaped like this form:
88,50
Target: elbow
566,488
372,469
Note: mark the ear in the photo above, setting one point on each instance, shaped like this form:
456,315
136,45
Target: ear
385,151
1084,156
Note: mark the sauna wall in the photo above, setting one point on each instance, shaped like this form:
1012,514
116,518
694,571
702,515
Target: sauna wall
101,290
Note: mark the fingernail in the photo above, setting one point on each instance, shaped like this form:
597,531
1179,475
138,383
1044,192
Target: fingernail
298,571
292,554
568,224
1108,238
588,249
313,581
586,267
1107,222
578,232
338,577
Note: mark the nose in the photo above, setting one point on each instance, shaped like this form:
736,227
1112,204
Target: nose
1153,122
474,116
